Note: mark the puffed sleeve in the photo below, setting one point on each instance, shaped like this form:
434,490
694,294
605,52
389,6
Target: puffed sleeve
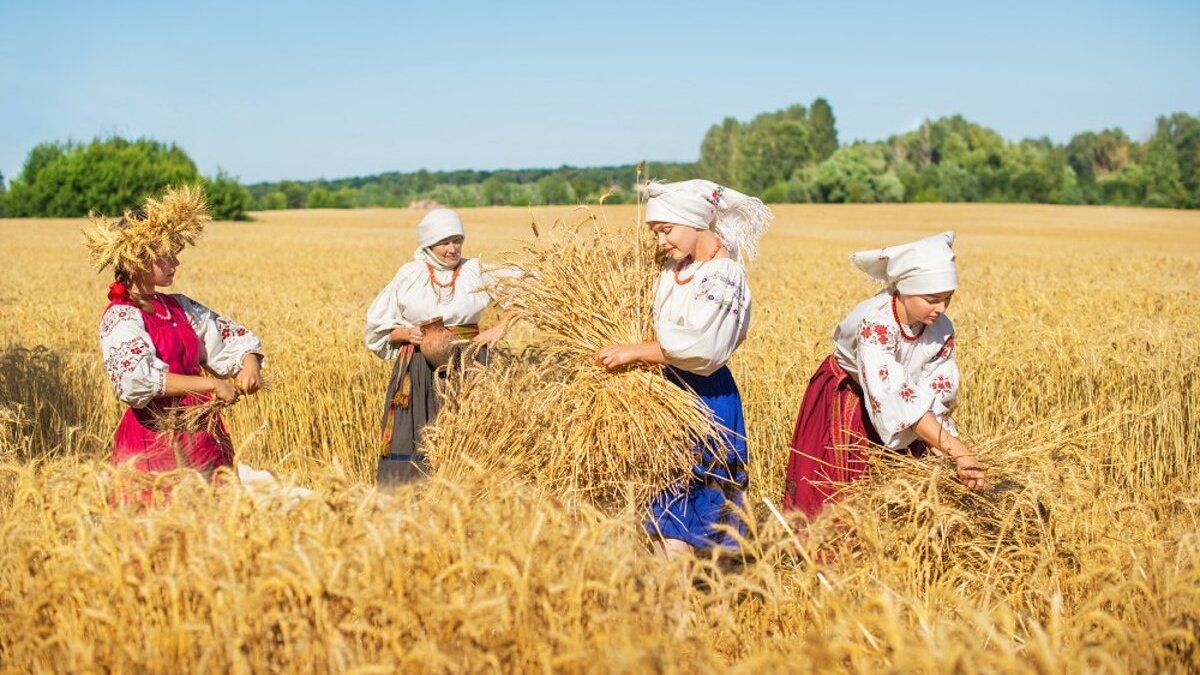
386,314
941,378
894,402
713,326
224,341
137,375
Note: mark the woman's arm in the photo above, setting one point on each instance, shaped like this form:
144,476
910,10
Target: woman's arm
615,356
494,334
182,385
944,444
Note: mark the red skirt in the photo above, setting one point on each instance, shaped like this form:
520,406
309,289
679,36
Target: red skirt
829,445
149,449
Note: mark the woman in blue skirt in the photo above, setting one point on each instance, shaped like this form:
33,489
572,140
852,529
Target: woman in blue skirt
701,315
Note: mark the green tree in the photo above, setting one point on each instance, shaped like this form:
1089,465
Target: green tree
345,197
554,189
1081,155
585,189
227,199
107,175
953,183
522,195
1126,187
856,173
296,194
1183,130
496,191
319,198
3,190
822,129
1093,156
1164,180
719,153
273,201
771,151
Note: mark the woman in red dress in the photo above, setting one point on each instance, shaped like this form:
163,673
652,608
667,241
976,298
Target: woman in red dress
157,346
891,380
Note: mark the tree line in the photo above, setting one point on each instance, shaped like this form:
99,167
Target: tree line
109,176
793,156
790,155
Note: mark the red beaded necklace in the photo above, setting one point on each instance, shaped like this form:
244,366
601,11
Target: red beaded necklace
896,316
437,285
683,263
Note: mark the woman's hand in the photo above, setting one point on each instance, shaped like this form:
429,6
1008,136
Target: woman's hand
224,391
402,334
970,471
615,356
492,335
249,378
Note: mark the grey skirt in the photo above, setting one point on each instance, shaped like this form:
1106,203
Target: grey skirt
404,462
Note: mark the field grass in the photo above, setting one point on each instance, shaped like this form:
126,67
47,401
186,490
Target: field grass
1077,336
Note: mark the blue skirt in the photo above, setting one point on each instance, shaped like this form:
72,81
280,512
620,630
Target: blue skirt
692,512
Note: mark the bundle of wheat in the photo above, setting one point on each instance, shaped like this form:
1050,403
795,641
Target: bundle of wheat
203,416
577,431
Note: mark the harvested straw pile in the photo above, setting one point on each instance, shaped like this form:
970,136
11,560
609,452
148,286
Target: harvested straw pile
917,509
560,421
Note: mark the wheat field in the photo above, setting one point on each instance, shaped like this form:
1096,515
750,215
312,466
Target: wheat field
1077,337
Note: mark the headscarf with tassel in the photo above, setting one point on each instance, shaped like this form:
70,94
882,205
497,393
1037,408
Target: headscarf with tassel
738,219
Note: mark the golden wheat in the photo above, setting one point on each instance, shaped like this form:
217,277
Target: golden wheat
1076,333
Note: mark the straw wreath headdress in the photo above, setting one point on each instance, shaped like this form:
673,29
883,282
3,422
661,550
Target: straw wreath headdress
161,227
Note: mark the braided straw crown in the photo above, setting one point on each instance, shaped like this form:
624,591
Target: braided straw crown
172,222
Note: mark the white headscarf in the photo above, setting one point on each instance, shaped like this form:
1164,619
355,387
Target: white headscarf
919,267
437,225
702,204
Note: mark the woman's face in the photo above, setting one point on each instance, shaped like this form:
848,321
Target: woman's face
676,241
161,272
926,308
448,250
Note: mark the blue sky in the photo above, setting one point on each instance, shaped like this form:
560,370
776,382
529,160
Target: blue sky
272,90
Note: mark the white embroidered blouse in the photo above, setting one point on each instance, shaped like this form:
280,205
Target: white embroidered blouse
410,298
902,379
136,373
699,324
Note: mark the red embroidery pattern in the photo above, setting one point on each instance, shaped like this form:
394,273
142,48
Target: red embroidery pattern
883,373
115,315
946,350
123,359
877,333
875,407
228,329
907,393
941,383
715,197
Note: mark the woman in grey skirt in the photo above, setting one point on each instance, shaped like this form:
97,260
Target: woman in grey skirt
437,288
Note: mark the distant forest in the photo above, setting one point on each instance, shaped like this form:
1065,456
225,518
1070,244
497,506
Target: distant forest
791,155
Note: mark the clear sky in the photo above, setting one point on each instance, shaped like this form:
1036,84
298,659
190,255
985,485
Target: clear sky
273,90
